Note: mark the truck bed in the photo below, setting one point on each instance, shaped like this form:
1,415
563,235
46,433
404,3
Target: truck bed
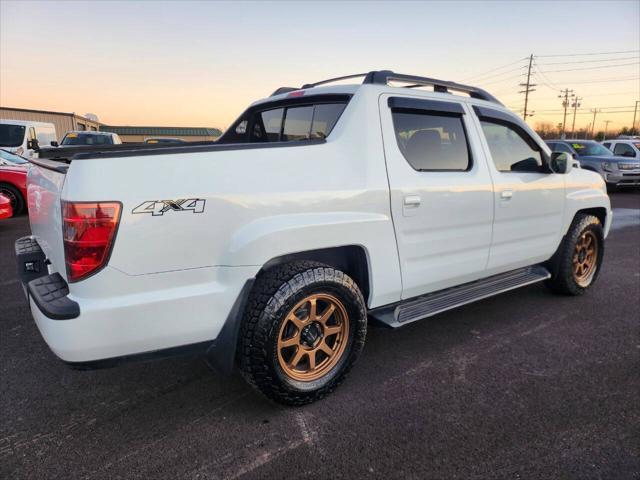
67,154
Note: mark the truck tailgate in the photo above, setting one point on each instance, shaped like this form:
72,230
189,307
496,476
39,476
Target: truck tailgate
44,187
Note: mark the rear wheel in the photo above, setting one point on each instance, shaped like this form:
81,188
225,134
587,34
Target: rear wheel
579,256
14,196
304,327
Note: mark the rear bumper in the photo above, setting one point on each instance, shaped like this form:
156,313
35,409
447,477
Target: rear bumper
122,317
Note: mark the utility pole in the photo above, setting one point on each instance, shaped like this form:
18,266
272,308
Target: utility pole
586,130
565,104
633,125
593,125
528,88
606,124
575,105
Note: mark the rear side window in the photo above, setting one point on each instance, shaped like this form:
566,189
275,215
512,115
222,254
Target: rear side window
624,149
509,150
432,141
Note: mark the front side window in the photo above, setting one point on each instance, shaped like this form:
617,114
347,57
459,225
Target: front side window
431,140
509,150
11,135
624,150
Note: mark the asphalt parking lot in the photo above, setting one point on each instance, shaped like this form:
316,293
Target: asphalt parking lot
523,385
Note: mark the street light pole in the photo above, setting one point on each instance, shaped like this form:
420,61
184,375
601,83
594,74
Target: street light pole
575,106
606,124
593,125
565,104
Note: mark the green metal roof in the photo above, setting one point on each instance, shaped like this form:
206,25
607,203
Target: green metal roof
164,131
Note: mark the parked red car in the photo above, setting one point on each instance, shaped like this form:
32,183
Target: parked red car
5,207
13,185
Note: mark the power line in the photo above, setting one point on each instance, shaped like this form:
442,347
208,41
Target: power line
587,54
494,69
545,80
619,59
590,68
609,80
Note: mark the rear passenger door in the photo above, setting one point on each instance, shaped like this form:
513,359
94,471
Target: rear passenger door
441,192
529,199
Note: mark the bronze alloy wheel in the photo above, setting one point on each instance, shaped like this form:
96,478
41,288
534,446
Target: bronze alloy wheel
585,258
313,337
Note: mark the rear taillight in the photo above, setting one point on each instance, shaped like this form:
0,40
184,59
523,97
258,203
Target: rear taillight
88,231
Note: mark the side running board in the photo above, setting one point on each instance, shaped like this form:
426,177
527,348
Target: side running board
433,303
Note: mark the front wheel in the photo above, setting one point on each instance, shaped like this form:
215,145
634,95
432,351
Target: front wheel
303,329
579,257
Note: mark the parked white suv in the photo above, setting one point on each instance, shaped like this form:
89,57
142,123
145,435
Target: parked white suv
624,147
318,208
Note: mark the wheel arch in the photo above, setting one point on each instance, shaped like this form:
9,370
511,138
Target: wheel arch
350,259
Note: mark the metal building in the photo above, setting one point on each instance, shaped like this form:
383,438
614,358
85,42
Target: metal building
65,122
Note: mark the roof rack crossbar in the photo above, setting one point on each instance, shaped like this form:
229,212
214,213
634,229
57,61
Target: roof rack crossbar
383,77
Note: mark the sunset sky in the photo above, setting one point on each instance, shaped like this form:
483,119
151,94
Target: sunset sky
200,63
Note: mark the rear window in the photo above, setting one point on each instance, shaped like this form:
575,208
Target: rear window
11,135
308,122
288,121
86,139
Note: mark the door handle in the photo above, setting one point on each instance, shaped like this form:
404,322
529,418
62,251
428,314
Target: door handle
412,201
506,194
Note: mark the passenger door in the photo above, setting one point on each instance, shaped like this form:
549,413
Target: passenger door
529,199
441,192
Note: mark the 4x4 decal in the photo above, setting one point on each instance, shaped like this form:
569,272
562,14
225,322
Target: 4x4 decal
160,207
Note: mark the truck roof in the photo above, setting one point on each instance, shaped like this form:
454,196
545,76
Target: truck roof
384,78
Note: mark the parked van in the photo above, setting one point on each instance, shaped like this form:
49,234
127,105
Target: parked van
25,137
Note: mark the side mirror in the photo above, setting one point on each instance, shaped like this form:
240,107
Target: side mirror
54,143
33,144
561,162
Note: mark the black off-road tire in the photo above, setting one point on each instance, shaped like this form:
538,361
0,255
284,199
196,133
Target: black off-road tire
274,294
17,200
564,281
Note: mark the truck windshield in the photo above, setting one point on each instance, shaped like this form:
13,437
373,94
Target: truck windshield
590,149
86,139
11,135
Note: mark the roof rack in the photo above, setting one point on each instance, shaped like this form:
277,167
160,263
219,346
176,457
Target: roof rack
383,77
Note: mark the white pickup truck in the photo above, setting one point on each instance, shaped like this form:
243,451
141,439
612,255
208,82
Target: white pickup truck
320,207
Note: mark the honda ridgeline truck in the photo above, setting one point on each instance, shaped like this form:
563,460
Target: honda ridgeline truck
319,208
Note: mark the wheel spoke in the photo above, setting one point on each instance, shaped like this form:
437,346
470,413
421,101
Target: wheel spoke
290,342
312,359
313,309
325,348
296,321
332,330
297,357
327,314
